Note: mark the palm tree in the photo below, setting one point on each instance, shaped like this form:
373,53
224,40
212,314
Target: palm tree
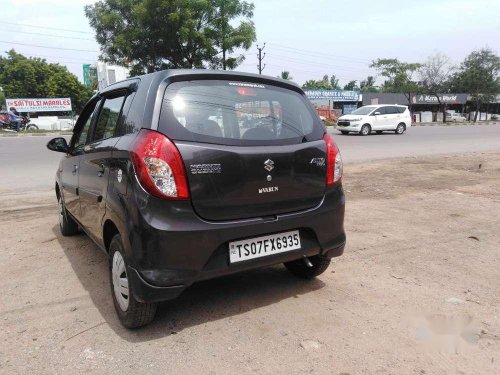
285,75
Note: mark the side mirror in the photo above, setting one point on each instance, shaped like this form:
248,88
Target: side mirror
376,113
58,144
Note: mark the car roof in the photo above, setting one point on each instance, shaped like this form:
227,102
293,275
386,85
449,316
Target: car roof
384,105
204,74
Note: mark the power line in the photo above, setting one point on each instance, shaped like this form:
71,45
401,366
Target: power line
45,27
59,48
301,61
51,35
309,53
292,70
56,57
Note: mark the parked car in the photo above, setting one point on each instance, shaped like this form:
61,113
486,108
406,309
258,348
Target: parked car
455,117
174,197
376,118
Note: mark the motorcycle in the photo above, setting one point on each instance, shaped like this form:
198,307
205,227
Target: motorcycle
6,124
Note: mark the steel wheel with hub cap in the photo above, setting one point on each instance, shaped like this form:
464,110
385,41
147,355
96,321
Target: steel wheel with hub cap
131,312
120,281
67,225
365,129
400,129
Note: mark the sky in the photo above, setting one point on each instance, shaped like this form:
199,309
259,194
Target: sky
307,38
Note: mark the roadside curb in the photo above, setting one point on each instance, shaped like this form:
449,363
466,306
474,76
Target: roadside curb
13,135
418,124
454,123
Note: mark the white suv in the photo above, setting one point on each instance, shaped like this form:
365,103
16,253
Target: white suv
376,118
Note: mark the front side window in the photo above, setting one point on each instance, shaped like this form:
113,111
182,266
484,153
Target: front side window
108,118
226,112
84,136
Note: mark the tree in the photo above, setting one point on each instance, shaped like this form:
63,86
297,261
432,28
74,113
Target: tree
435,74
150,35
22,77
399,76
227,37
317,85
368,85
478,76
334,82
327,83
351,86
285,75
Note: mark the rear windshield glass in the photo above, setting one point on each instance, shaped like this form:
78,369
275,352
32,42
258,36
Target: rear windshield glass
237,113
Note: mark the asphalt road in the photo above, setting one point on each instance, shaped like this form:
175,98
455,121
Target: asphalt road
26,165
418,141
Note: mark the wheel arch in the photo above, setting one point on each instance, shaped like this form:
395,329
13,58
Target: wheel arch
109,230
58,191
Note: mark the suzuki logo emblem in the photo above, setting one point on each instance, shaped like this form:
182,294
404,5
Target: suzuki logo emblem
269,165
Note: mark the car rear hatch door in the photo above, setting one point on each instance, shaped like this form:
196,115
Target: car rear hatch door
249,150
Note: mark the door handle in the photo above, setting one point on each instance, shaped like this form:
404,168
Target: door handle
100,171
75,169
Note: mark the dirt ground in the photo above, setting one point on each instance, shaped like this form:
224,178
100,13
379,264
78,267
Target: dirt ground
416,292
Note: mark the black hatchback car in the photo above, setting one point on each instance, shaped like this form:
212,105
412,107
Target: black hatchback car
185,175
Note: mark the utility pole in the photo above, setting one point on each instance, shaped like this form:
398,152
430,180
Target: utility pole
261,56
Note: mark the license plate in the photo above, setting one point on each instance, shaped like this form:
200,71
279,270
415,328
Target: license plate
263,246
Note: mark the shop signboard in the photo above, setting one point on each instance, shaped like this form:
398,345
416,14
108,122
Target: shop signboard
89,74
40,104
334,95
444,98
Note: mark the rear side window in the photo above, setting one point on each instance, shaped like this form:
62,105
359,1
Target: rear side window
237,113
401,109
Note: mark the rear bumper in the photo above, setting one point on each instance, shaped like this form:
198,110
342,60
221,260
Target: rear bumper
172,248
145,291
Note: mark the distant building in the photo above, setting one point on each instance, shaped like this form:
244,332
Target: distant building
101,75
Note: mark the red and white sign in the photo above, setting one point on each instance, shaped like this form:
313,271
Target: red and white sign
40,105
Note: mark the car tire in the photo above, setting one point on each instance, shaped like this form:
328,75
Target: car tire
379,132
345,132
300,269
32,126
132,313
67,224
400,129
365,130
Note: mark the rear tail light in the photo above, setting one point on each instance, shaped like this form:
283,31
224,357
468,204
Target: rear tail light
334,168
158,165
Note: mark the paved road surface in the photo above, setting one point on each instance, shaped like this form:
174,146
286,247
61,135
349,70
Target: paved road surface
26,165
418,141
